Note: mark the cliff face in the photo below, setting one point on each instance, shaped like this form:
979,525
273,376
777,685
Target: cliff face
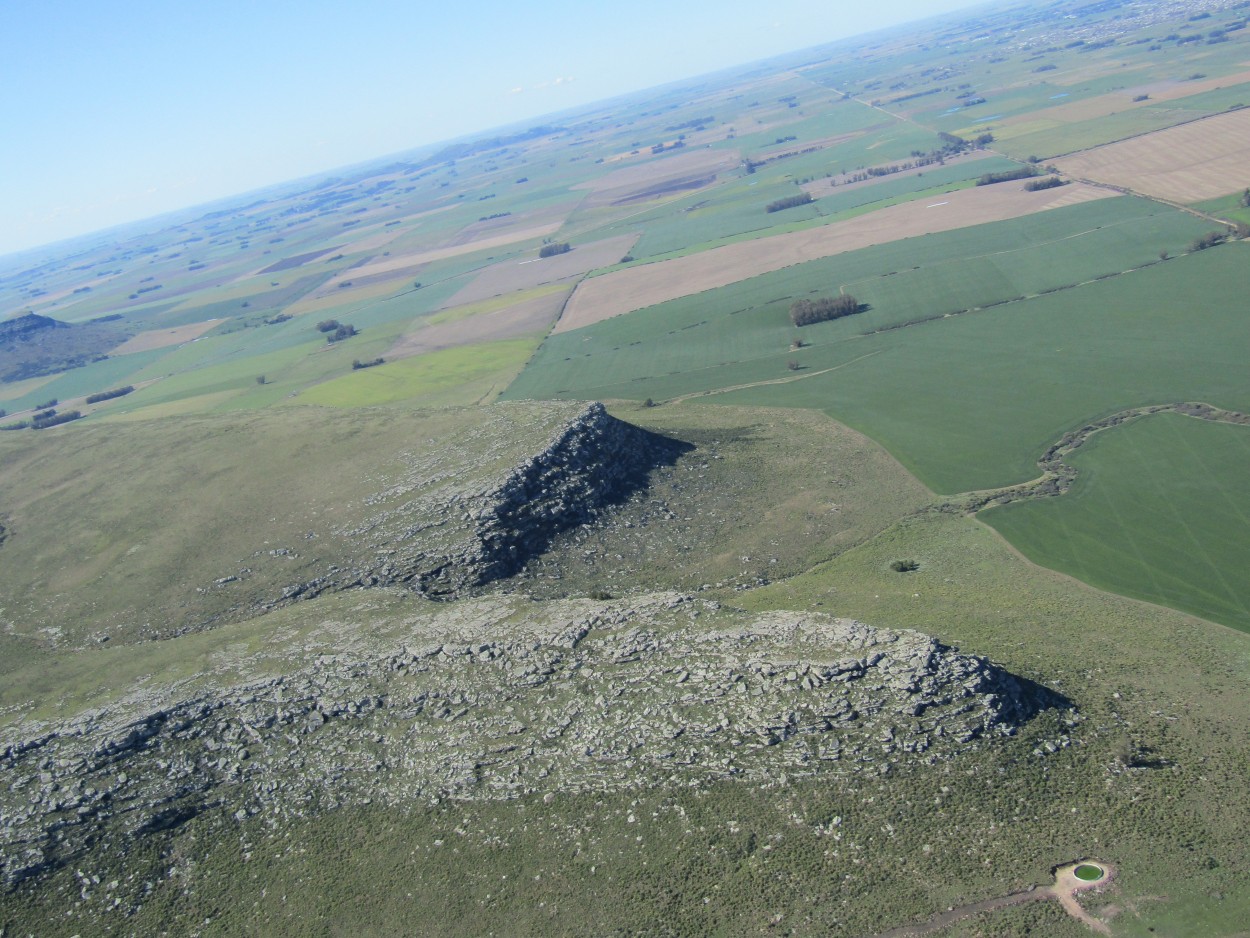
593,462
499,697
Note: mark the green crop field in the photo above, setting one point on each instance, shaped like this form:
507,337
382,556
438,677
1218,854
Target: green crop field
970,402
741,333
1165,496
468,375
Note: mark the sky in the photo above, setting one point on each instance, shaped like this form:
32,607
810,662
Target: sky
118,110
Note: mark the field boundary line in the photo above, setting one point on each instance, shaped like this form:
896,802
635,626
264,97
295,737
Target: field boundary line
759,384
1058,476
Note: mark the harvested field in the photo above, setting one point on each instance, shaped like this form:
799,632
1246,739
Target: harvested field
1199,160
633,183
526,221
419,258
382,271
512,322
163,338
661,189
512,275
297,260
378,238
634,288
1114,102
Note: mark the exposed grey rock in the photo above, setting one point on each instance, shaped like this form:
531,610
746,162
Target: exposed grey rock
460,537
519,697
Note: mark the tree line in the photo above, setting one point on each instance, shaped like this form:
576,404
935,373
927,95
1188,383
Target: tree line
989,179
1047,182
336,331
109,395
792,201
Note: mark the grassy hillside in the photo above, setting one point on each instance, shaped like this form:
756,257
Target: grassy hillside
292,647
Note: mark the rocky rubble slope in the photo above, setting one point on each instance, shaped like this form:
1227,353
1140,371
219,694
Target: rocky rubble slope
498,697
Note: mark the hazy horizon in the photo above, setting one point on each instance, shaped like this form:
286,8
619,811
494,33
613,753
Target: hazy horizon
126,113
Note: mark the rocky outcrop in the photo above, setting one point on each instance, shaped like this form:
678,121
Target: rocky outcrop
33,345
446,545
496,698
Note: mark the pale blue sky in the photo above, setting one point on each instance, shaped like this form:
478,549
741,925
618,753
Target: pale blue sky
116,110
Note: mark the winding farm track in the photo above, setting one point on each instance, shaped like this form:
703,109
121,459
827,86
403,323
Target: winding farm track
1065,888
1057,476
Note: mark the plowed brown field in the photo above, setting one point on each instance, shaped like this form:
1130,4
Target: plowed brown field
634,288
1199,160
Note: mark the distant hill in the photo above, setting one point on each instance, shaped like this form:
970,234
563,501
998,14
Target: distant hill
34,345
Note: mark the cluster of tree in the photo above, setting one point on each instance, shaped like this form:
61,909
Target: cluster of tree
493,217
551,250
989,179
18,425
1245,199
51,402
915,94
281,317
1046,182
336,331
661,147
1208,240
806,312
697,123
357,365
789,202
109,395
42,423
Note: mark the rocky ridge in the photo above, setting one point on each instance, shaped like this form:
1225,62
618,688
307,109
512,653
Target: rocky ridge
443,540
500,697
